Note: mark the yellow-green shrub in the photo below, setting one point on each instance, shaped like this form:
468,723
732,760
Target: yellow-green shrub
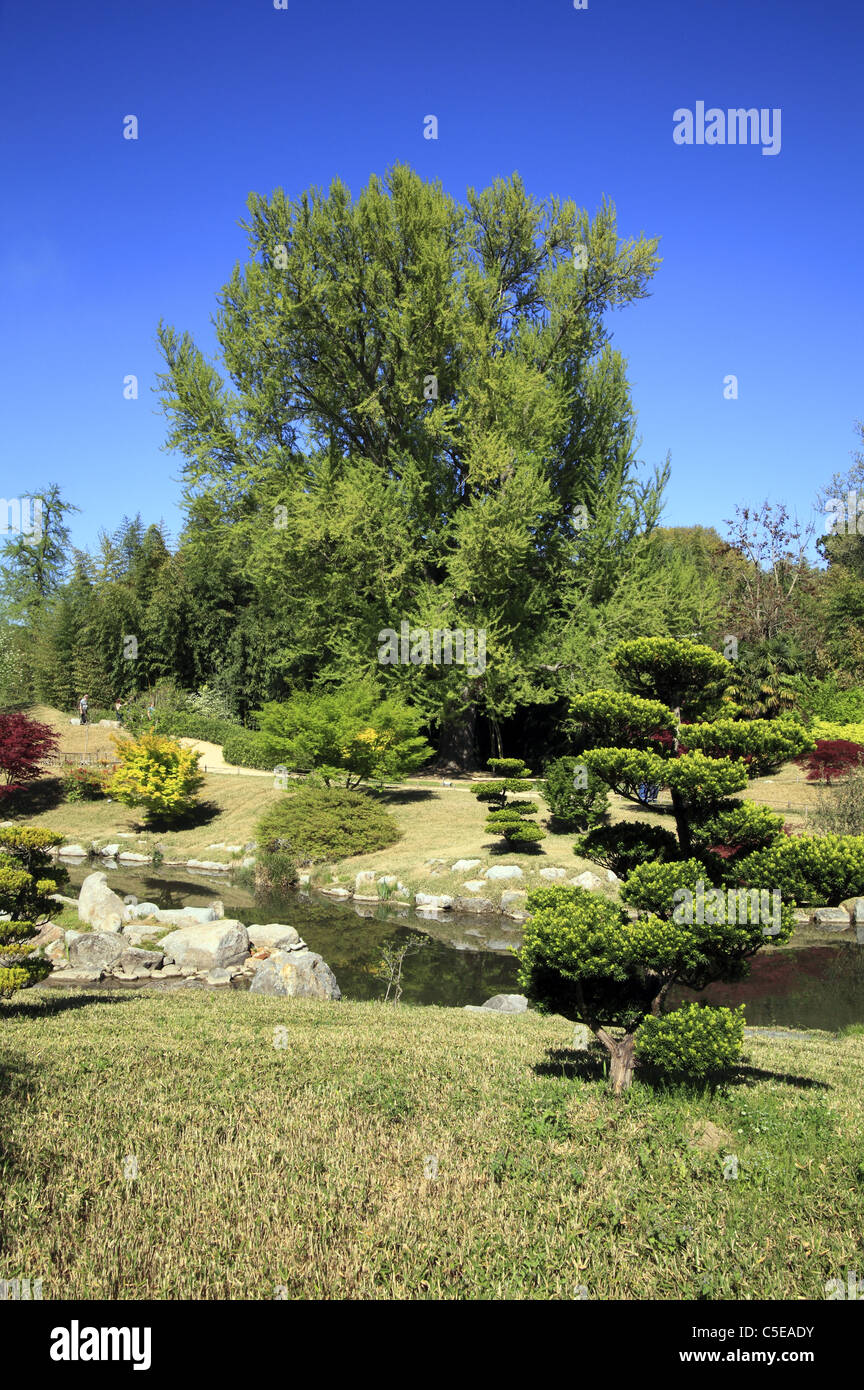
158,774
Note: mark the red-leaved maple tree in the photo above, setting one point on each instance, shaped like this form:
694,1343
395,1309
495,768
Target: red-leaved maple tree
24,744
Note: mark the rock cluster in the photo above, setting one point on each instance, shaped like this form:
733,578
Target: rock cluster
204,947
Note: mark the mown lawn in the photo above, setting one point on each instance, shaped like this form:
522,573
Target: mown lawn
304,1171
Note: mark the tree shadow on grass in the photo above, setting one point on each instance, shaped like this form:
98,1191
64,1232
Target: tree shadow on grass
44,795
201,814
51,1001
403,796
570,1064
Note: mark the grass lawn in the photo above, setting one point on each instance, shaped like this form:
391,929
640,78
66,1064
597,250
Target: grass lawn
233,807
307,1168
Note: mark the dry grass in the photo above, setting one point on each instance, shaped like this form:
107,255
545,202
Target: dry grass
301,1169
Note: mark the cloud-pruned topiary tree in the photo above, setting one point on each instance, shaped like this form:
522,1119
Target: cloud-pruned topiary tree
27,878
639,737
584,958
509,818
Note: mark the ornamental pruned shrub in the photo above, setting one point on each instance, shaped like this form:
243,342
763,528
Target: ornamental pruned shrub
699,763
831,759
509,819
696,1042
575,796
584,958
158,775
621,847
27,878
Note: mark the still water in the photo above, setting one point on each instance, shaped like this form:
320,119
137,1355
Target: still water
465,959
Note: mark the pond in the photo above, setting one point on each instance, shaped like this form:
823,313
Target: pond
466,958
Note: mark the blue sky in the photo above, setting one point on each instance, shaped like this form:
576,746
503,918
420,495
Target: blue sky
761,273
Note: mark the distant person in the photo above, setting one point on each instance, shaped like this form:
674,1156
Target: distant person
83,706
151,710
118,710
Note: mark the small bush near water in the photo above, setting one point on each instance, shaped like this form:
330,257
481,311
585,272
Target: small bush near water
318,825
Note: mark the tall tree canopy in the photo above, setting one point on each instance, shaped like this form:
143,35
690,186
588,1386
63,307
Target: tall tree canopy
418,415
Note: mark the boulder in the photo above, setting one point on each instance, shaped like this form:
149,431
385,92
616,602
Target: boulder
831,918
167,972
611,876
134,935
106,918
462,866
211,864
507,1004
185,916
109,851
81,977
474,905
336,890
130,900
133,958
500,1004
218,976
502,871
297,974
96,899
276,937
474,884
855,908
513,898
207,945
131,857
433,902
72,852
140,910
96,950
553,873
587,880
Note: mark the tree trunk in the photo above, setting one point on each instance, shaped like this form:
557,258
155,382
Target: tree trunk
682,824
622,1060
457,749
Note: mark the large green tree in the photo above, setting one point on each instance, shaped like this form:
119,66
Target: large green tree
418,416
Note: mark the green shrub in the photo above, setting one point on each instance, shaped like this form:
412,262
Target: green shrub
744,824
809,869
508,818
27,878
621,847
574,806
85,783
763,744
698,1041
247,748
276,871
651,886
318,825
156,773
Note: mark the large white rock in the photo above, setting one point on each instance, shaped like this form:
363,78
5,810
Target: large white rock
207,945
97,900
298,974
433,902
96,950
504,871
274,936
587,880
553,873
463,865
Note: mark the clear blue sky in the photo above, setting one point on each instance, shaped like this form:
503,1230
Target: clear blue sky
100,236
